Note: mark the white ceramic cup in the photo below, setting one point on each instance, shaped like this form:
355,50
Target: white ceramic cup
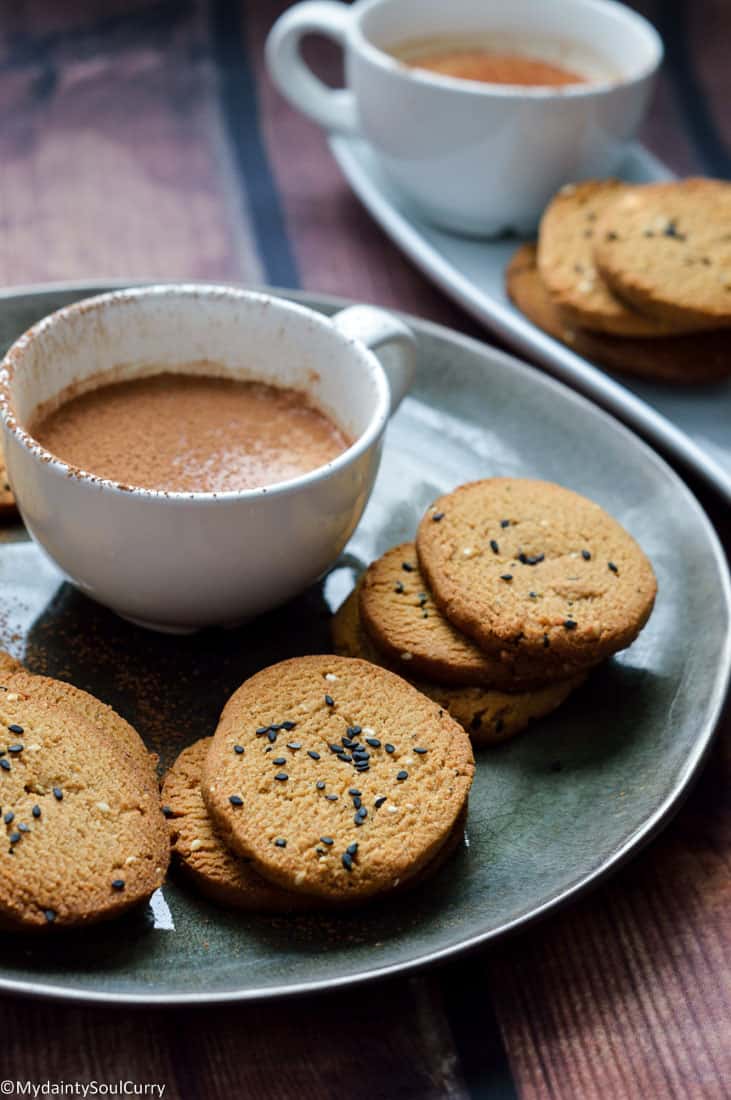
180,561
473,157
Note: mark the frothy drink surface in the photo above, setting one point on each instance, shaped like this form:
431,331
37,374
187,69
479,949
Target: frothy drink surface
190,433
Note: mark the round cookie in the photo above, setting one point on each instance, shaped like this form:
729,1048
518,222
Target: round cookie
218,873
566,261
314,731
399,614
666,249
682,360
487,715
84,838
568,584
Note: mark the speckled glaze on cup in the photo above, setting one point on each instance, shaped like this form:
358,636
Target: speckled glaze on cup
179,561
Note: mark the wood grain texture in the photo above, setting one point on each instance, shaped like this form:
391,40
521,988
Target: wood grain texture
116,160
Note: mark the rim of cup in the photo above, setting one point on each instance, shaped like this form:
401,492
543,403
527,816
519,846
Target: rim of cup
12,362
636,24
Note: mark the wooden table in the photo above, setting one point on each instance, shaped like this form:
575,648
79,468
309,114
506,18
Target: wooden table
142,138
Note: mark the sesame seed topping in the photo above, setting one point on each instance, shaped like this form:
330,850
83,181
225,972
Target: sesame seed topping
586,555
272,735
16,728
505,523
354,791
320,784
279,760
50,915
612,566
332,797
494,546
373,742
357,802
506,576
288,725
327,840
196,844
167,811
407,567
36,811
239,749
352,849
282,777
280,842
9,816
330,676
347,861
118,884
14,838
313,754
379,801
353,731
420,750
261,730
329,701
407,656
390,748
570,624
437,516
23,827
5,765
103,807
15,748
236,800
530,559
402,775
399,588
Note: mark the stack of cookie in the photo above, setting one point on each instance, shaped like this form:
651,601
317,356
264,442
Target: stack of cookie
635,278
513,591
84,837
327,781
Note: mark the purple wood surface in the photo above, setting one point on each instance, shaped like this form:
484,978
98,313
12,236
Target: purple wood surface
120,156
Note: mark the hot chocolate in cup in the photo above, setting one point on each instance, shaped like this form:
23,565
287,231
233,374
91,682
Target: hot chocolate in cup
181,560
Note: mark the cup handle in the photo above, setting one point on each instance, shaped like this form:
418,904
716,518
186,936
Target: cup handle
332,108
382,332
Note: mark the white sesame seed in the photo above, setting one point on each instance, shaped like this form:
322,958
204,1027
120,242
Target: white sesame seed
392,809
12,697
467,552
368,731
130,860
104,807
196,844
407,656
330,676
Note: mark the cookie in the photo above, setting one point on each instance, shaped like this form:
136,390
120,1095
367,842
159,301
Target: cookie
681,360
8,508
218,873
350,780
566,261
399,614
567,583
666,249
84,835
487,715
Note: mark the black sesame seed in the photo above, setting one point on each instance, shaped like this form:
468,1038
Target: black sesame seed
586,555
5,765
531,559
533,595
15,728
320,851
612,566
345,757
36,811
9,816
402,775
167,811
236,800
294,745
329,701
15,748
494,546
420,750
353,731
357,802
379,801
261,730
50,915
570,624
347,742
390,748
282,777
332,797
352,849
23,827
239,750
337,749
399,588
362,766
279,760
407,567
437,516
347,861
272,735
505,523
280,842
118,884
506,576
14,838
327,840
288,725
313,754
361,754
373,742
354,791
